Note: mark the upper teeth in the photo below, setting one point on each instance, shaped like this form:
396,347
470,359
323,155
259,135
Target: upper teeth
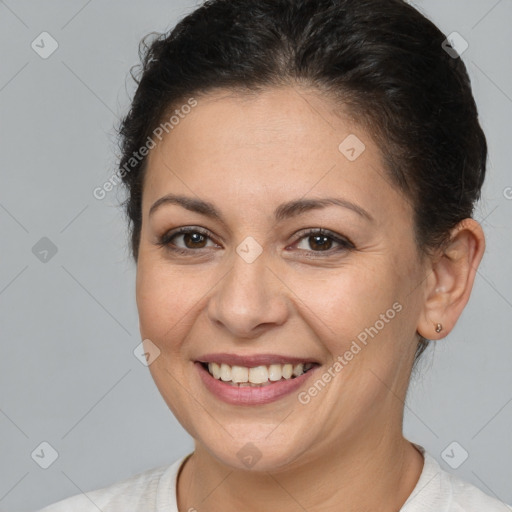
257,374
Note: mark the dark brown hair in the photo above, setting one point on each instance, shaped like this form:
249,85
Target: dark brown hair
381,61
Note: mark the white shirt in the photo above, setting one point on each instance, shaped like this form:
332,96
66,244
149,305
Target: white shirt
155,491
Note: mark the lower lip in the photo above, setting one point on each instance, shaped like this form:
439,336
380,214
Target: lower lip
248,395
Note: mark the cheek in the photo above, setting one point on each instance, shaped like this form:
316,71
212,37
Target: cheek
358,313
349,298
169,298
161,300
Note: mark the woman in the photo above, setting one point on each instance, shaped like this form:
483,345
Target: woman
301,178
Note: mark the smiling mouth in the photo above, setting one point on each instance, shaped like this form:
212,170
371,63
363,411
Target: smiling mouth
257,376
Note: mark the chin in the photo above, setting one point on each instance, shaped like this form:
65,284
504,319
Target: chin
254,457
253,450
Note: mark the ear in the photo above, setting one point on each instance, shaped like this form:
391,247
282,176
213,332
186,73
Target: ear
449,283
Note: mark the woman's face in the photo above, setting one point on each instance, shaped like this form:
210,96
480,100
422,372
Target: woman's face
253,281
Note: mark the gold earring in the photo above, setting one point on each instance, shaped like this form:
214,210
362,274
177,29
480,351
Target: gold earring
439,328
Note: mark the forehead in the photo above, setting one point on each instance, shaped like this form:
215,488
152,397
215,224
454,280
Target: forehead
271,146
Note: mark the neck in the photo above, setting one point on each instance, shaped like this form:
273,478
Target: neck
354,476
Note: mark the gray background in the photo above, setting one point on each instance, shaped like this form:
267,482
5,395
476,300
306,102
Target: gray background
68,375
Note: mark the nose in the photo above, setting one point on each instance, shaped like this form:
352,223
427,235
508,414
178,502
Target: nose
249,299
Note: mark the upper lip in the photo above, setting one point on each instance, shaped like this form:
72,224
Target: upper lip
253,360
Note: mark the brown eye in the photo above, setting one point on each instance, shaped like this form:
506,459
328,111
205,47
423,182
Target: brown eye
192,240
320,240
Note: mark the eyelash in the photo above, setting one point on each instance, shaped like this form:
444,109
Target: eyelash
346,245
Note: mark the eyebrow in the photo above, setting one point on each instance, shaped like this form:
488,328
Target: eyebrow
282,212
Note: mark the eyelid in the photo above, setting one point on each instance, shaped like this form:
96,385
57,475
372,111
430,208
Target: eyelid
164,240
344,242
324,232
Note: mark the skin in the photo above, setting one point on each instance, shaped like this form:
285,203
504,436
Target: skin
247,155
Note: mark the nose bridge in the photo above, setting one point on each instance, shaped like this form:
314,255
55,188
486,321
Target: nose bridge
249,294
